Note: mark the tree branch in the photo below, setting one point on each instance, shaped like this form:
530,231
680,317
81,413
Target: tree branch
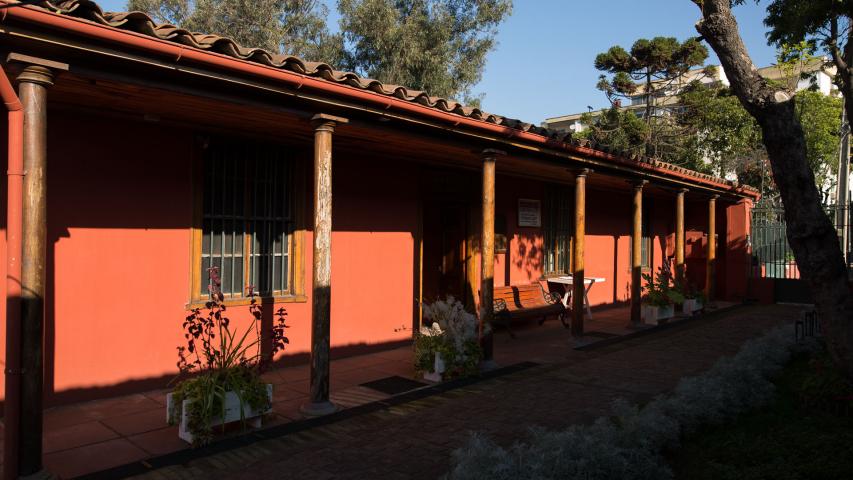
832,43
719,28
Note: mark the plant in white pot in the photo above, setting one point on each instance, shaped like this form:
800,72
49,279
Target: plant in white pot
448,347
658,298
693,298
221,369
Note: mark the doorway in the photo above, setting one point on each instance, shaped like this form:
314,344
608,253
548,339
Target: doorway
446,251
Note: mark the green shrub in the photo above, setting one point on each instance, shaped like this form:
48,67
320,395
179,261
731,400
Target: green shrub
454,333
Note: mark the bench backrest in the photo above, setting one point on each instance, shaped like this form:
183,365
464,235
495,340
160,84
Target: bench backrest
521,296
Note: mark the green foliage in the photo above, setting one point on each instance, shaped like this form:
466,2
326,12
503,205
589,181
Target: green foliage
792,438
458,364
728,140
222,361
820,117
658,289
206,393
792,21
454,333
821,25
659,58
653,68
294,27
631,443
618,129
438,46
824,387
686,291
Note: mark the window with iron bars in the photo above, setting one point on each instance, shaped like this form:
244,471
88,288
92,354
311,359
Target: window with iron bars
246,219
558,230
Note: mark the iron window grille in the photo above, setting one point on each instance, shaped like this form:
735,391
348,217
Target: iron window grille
247,220
559,218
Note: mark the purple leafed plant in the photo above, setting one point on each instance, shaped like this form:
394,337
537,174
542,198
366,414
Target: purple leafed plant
223,361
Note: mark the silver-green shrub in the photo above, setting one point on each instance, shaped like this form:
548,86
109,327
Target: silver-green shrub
628,444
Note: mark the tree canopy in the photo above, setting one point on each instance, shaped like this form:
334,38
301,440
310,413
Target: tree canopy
651,72
820,117
724,139
811,234
728,142
825,24
438,46
295,27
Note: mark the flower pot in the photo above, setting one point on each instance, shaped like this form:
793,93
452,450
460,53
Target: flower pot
649,314
691,306
653,314
233,407
437,370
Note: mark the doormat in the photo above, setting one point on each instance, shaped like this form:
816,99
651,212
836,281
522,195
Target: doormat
394,385
596,333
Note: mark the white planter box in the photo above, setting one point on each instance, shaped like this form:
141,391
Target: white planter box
690,306
232,413
437,369
652,314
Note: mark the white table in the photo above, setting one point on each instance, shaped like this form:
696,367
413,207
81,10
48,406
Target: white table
568,281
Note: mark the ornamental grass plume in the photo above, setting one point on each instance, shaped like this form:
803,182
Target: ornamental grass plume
453,334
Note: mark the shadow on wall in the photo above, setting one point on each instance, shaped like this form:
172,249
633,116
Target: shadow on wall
118,251
528,257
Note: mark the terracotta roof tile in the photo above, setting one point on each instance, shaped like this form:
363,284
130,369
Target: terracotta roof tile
139,22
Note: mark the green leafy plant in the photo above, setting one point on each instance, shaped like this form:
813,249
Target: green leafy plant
686,291
219,361
453,333
658,290
825,388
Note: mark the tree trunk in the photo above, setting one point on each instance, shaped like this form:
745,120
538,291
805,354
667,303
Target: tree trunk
810,232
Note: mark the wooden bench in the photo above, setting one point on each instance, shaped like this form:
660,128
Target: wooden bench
526,301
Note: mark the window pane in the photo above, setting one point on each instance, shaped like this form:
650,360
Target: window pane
246,199
277,278
557,230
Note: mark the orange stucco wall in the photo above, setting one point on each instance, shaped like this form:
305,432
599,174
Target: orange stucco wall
119,267
120,210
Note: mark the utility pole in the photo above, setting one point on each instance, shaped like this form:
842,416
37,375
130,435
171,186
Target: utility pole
842,199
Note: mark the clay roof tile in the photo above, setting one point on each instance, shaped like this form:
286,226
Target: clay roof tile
140,22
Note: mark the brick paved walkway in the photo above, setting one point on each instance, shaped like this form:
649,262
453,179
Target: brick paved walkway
414,440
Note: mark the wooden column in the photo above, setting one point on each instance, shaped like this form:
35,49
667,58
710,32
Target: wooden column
711,266
487,255
319,404
679,235
637,251
578,287
33,83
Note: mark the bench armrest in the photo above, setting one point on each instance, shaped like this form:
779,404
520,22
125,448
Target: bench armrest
551,297
499,305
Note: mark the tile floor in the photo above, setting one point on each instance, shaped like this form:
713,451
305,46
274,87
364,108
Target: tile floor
92,436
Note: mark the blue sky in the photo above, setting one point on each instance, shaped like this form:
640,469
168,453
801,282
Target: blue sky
542,66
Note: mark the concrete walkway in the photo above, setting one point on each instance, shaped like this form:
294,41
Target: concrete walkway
415,440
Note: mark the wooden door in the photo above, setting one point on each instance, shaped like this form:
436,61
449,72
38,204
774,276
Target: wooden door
444,262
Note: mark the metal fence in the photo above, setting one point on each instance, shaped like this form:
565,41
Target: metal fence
772,256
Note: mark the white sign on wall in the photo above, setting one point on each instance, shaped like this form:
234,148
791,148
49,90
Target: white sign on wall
529,213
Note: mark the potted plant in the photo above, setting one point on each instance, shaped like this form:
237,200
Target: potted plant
449,346
693,299
658,298
222,369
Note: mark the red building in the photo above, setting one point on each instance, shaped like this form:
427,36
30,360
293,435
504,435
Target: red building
151,153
